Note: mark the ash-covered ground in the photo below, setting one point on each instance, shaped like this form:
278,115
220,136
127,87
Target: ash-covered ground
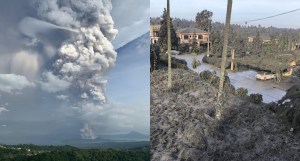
183,126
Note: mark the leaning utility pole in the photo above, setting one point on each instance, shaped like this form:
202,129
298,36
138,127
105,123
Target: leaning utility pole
169,45
224,54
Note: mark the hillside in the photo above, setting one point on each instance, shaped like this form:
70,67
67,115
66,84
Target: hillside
183,126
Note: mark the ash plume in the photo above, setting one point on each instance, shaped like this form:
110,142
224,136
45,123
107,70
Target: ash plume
87,132
83,59
30,26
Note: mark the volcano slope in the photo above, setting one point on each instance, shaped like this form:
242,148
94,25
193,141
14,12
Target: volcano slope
183,126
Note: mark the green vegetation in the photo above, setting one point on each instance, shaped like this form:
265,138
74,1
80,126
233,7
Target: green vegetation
113,145
154,56
160,60
175,63
68,153
288,108
184,48
194,46
203,19
214,81
196,63
163,34
241,92
256,98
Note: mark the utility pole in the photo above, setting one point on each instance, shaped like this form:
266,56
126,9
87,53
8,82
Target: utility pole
208,44
169,45
232,59
223,62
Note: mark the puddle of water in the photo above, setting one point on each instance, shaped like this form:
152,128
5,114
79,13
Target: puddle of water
269,89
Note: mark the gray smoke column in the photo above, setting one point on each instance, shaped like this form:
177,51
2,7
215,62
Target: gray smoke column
84,59
87,132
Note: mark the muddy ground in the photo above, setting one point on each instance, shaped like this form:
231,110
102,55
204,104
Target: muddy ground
183,126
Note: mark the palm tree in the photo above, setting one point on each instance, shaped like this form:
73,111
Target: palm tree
169,45
224,55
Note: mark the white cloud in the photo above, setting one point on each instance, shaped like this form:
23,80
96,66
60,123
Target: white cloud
62,97
25,63
114,117
4,125
13,83
3,109
53,83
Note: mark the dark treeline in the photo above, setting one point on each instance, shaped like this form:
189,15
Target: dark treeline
69,153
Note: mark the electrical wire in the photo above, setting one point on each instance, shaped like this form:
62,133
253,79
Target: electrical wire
259,19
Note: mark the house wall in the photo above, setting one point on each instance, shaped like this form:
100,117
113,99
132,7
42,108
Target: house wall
185,38
250,39
154,33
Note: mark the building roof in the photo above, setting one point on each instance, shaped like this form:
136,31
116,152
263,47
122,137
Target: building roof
190,30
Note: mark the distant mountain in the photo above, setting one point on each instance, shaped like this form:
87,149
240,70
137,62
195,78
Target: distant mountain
133,140
142,42
131,79
79,140
122,141
134,54
133,135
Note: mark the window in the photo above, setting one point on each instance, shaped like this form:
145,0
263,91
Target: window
186,37
200,36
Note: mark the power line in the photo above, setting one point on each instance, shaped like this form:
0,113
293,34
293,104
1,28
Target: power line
270,16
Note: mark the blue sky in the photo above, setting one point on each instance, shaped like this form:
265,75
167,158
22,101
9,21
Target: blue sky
242,10
131,18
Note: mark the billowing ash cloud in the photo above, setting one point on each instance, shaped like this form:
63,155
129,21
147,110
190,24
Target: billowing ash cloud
87,132
84,59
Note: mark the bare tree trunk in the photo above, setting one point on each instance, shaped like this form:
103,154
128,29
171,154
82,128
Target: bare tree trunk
169,45
224,55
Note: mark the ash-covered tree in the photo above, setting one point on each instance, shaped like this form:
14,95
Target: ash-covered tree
257,45
182,23
240,45
217,42
164,34
154,56
203,19
194,47
282,42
